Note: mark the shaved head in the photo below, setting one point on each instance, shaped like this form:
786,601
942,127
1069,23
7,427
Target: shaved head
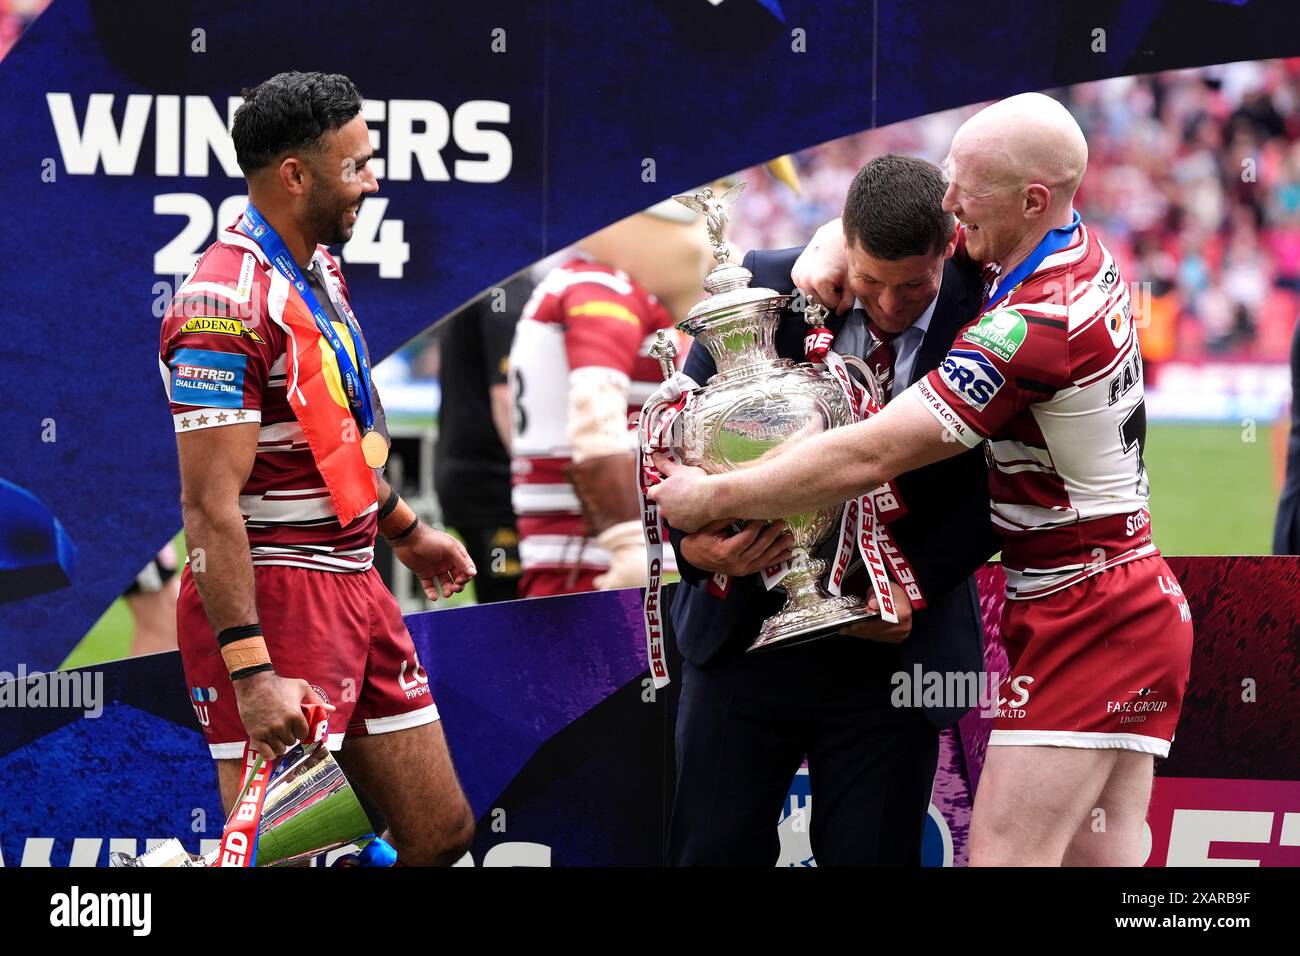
1013,170
1029,138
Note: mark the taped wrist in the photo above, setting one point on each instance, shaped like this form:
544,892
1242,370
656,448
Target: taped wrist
606,489
598,424
244,648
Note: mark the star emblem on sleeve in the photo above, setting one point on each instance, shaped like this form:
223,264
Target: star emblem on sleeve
240,416
202,420
222,418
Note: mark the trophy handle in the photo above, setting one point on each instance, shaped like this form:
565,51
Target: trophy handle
873,386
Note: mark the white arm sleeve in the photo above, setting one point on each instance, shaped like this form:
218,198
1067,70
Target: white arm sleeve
598,423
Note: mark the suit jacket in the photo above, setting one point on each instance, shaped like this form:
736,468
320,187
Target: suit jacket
946,533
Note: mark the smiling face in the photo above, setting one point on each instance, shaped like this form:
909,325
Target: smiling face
991,207
895,292
1012,174
340,178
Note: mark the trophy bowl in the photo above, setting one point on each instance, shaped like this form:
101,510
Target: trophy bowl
756,406
310,808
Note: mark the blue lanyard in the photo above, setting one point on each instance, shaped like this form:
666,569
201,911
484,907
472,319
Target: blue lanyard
356,384
1054,241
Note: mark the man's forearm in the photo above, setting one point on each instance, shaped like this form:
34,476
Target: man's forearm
397,520
820,472
222,565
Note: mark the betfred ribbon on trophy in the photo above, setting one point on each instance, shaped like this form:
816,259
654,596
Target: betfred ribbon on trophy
754,405
286,813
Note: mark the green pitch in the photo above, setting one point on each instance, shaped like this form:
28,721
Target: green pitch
1212,489
1212,492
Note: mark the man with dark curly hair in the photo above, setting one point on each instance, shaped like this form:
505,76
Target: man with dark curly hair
281,441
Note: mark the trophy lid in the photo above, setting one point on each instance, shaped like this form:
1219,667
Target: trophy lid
730,295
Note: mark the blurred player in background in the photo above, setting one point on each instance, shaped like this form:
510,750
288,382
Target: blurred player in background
151,599
580,369
471,463
1049,381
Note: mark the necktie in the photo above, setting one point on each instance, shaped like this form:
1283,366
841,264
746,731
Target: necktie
880,358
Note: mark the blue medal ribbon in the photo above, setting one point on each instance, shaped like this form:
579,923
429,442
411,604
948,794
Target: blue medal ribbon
1053,242
356,383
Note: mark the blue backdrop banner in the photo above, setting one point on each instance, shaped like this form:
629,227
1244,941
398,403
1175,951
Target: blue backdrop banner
504,131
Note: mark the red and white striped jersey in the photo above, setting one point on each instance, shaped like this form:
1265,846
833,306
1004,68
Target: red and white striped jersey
588,319
1051,380
222,359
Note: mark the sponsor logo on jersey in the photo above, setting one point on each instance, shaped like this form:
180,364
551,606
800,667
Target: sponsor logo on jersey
1013,707
1001,332
204,694
1128,375
1108,278
1141,703
208,378
417,684
1117,323
245,286
219,326
942,411
1169,585
971,376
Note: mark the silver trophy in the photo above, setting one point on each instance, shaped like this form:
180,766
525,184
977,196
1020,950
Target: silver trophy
310,808
755,405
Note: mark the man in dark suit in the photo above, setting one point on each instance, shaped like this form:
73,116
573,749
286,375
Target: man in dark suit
746,721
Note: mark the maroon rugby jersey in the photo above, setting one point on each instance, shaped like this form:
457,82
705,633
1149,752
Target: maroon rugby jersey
222,359
583,319
1051,380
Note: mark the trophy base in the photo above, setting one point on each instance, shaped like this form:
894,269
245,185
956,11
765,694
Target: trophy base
798,625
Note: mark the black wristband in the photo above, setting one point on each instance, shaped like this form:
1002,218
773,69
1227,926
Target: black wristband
390,505
232,634
407,530
250,671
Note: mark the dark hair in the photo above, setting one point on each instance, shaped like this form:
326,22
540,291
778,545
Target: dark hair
894,208
290,112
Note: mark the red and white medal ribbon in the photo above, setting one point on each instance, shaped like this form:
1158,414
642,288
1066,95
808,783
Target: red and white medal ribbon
239,839
859,518
655,432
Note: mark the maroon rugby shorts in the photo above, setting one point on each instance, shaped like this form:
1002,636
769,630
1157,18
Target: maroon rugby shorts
342,632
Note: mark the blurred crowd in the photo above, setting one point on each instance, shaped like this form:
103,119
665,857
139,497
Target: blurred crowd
1193,180
15,17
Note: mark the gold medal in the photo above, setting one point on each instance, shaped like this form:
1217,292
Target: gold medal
374,448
